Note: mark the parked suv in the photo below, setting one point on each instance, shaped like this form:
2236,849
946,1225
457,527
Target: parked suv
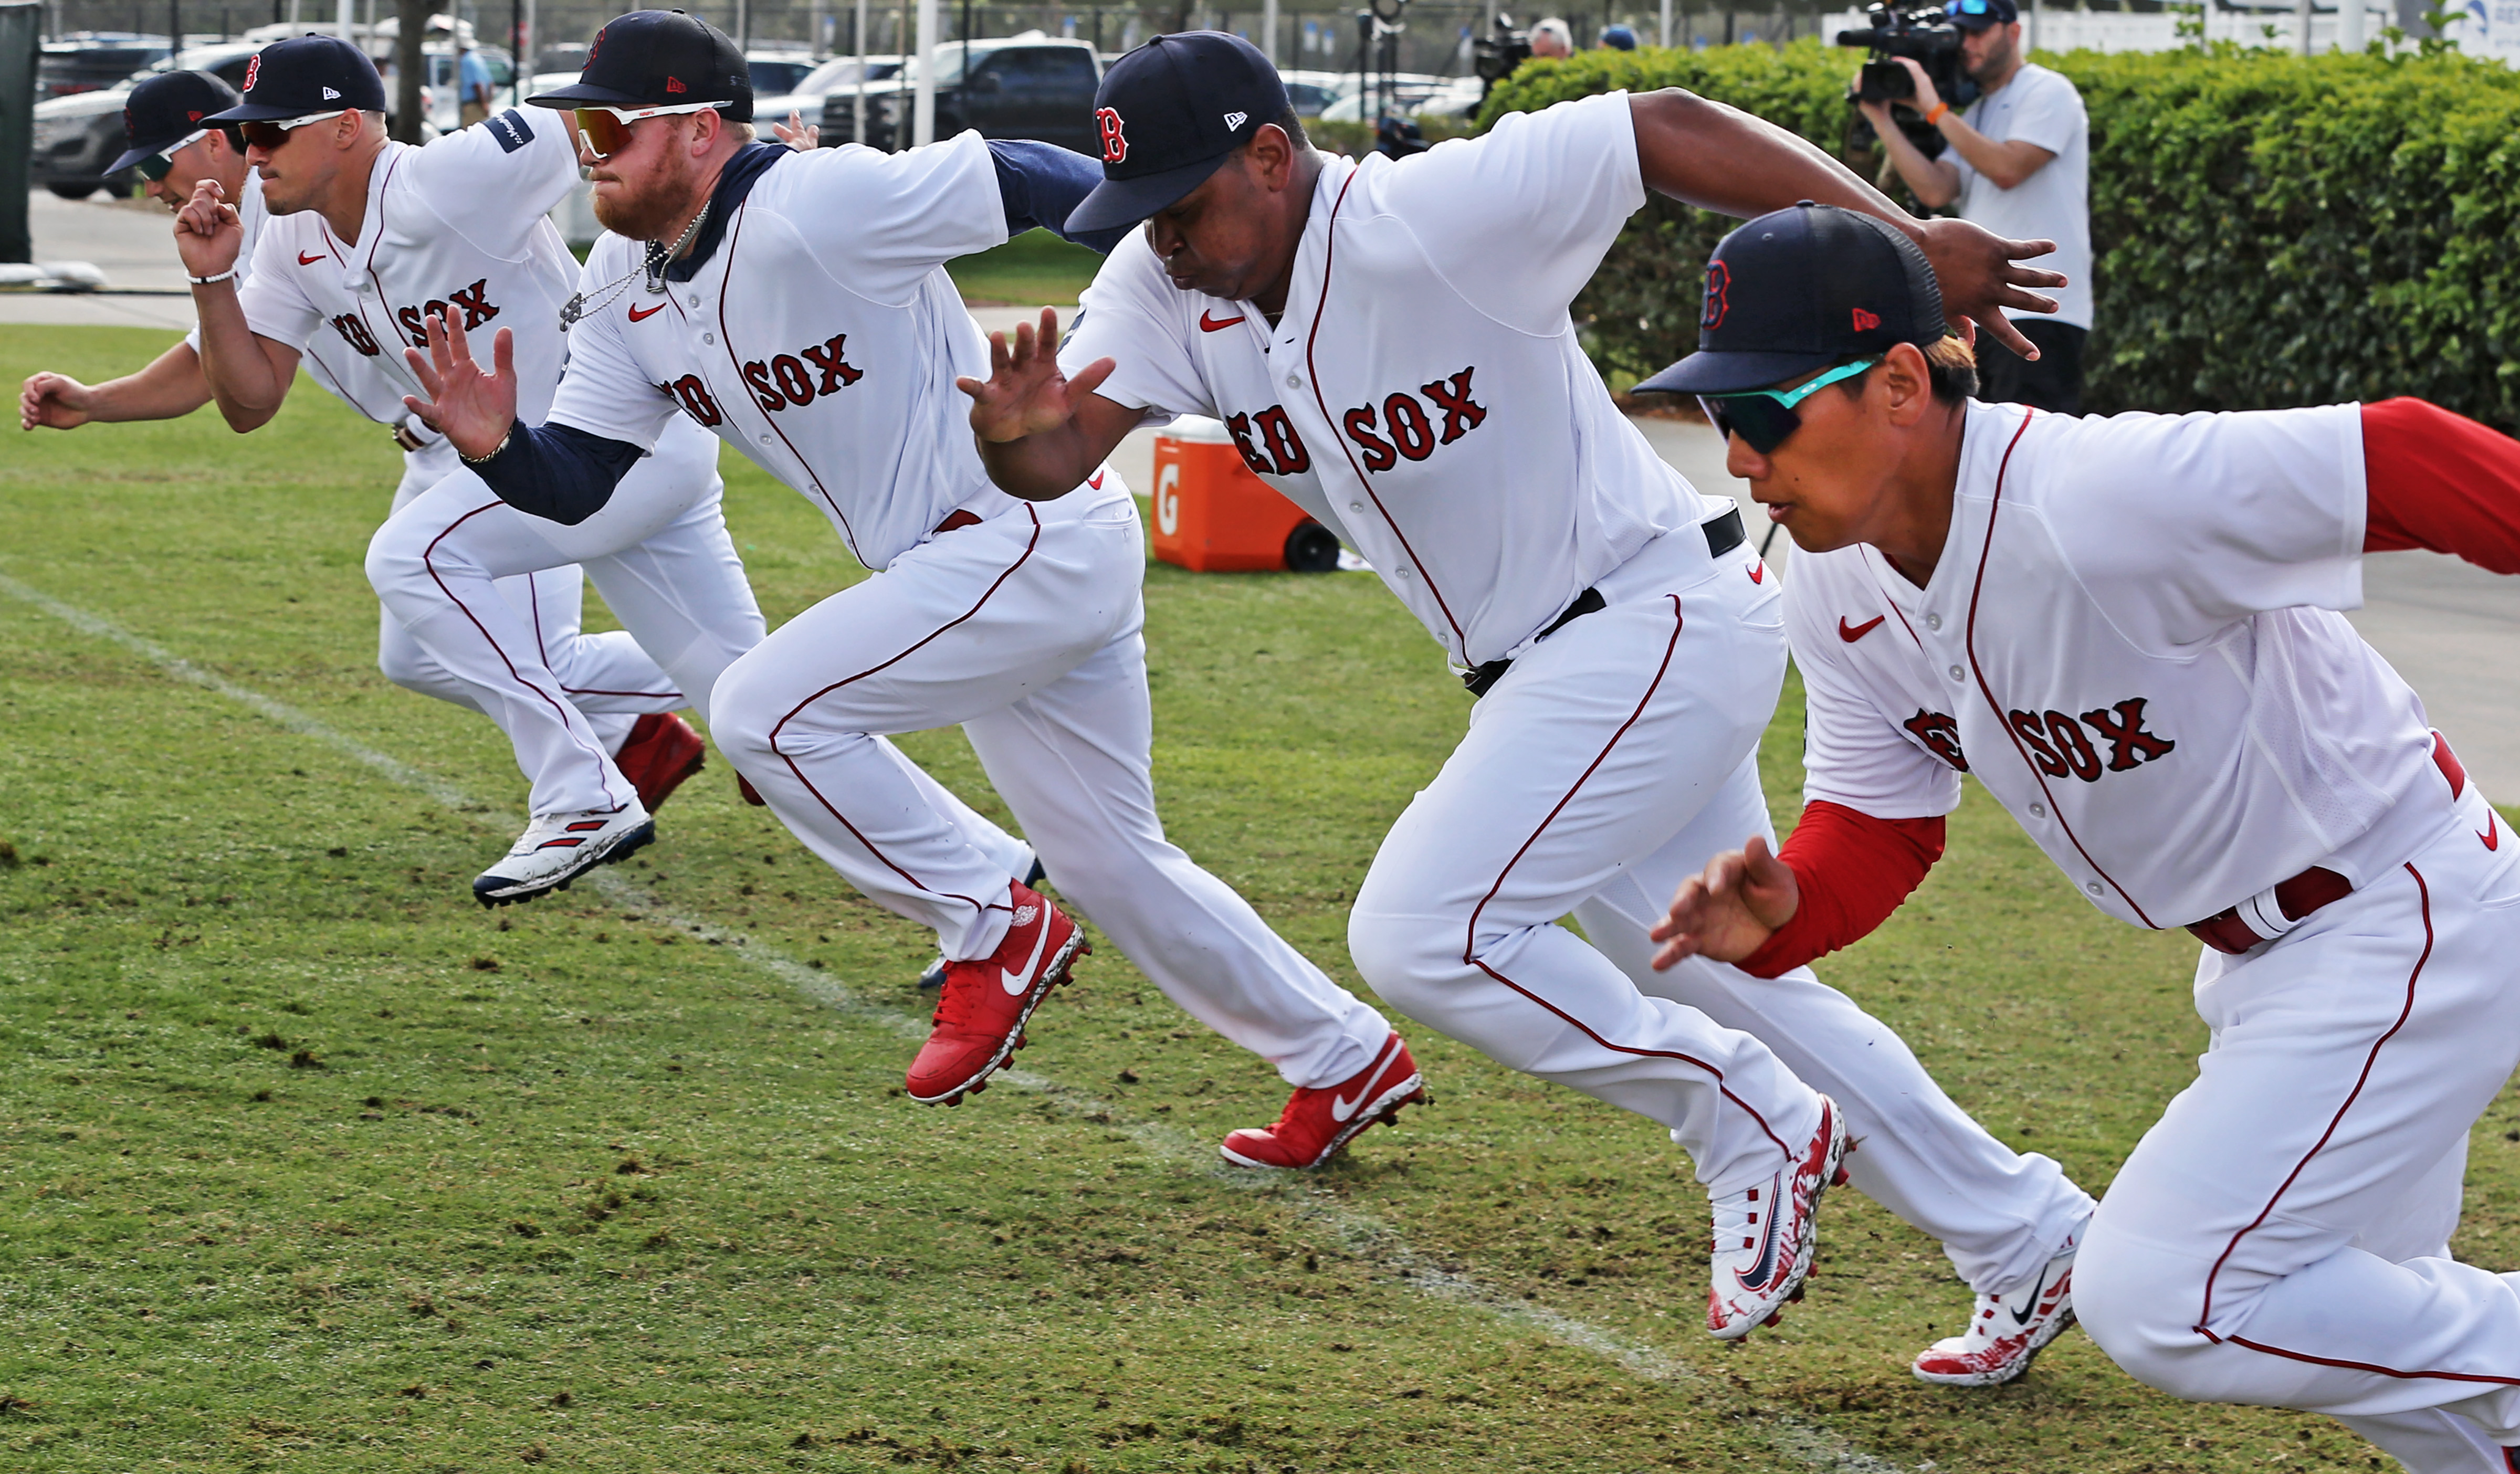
92,60
1028,86
78,136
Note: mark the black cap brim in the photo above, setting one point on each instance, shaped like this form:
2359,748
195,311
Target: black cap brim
587,95
1117,204
1706,373
139,152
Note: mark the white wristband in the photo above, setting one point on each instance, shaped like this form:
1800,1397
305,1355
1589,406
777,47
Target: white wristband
228,275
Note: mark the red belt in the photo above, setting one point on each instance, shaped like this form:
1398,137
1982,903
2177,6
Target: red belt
2227,931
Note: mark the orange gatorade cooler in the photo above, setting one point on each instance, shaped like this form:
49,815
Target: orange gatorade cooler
1213,515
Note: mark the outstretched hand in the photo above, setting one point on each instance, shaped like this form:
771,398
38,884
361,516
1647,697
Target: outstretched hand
208,232
53,401
1979,280
798,134
471,408
1731,910
1025,392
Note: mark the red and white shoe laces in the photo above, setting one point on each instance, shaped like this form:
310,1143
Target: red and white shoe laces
2005,1331
980,1015
1763,1236
1321,1120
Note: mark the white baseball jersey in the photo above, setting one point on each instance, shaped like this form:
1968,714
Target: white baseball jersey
2132,640
344,373
1424,395
822,338
460,225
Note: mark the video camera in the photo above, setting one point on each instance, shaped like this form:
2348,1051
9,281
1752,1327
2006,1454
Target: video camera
1925,35
1495,57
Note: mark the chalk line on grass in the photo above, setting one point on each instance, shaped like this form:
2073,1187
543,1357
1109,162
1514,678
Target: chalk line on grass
1368,1237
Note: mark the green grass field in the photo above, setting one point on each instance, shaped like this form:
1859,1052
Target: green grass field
306,1162
1035,269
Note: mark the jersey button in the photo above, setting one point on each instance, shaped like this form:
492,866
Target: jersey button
1294,381
1933,621
1404,570
2093,887
765,440
693,299
1356,506
1956,673
709,337
2038,811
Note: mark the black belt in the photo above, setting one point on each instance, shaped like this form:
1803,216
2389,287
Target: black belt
1722,535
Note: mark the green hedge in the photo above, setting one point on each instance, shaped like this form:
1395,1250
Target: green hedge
2270,229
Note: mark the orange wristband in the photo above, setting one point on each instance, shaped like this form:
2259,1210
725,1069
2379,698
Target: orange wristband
1935,113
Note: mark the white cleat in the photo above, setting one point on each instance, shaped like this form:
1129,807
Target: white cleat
1763,1236
557,848
2006,1332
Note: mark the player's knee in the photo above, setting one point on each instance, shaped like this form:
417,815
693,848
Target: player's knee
2139,1303
396,558
742,713
1402,959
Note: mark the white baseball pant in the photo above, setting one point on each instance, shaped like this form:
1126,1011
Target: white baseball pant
659,554
1605,740
2000,1214
550,603
1025,629
2279,1237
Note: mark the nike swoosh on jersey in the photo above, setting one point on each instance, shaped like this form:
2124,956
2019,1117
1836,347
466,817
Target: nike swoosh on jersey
638,316
1851,633
1206,324
1341,1109
2492,833
304,259
1015,983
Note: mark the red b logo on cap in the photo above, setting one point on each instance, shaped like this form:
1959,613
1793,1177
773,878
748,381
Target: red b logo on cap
1719,288
1115,144
252,69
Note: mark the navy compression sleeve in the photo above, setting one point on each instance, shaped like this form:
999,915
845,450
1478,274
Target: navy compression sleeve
557,471
1043,184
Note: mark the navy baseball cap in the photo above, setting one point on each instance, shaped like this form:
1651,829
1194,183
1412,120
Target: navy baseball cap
303,75
1168,113
1800,289
1978,14
659,58
1618,38
167,108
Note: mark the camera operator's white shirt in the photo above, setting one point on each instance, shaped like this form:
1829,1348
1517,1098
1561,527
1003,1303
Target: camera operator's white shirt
2039,107
1424,395
2131,641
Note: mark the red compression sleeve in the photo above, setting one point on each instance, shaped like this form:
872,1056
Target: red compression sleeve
1853,871
2440,481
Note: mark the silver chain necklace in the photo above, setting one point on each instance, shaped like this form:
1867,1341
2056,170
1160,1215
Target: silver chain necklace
658,257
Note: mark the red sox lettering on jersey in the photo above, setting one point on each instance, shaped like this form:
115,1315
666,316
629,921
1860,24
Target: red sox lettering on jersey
2159,689
1279,451
474,301
784,381
1411,433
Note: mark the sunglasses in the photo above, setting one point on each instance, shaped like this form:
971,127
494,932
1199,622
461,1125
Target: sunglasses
159,165
606,130
268,137
1968,8
1763,417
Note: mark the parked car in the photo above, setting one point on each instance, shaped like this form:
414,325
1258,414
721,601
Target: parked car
1311,91
1031,85
92,60
78,136
776,73
839,75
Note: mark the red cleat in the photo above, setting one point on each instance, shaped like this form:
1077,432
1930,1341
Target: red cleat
660,751
980,1018
1317,1123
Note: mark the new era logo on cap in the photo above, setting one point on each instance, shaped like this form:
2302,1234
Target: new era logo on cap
1234,120
1866,322
332,96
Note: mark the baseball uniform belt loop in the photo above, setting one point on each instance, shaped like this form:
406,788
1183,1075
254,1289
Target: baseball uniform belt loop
2272,911
1478,679
404,438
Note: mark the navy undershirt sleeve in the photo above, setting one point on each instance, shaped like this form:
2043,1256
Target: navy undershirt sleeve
1043,184
557,471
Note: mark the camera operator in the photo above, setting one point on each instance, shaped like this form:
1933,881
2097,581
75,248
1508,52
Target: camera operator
2018,165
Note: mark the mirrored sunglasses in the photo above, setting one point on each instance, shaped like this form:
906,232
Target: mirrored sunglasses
1763,417
268,137
606,130
159,165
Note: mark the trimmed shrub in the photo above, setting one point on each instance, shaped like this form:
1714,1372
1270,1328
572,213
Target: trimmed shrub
2268,230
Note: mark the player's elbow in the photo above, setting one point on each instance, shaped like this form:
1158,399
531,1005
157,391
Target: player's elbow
245,418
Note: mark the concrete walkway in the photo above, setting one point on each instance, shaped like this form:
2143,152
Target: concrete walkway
2451,629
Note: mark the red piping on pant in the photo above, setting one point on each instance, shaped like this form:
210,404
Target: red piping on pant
428,561
542,643
1469,940
2423,894
831,809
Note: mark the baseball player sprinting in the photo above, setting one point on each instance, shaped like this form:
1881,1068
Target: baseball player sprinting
2127,630
1389,346
369,240
173,150
797,304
